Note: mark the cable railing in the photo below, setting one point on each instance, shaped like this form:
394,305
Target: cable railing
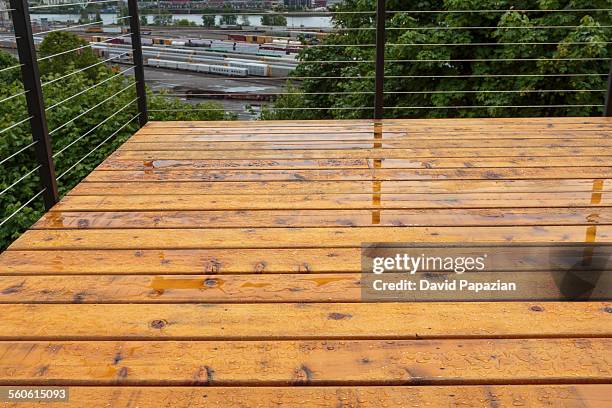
60,83
376,60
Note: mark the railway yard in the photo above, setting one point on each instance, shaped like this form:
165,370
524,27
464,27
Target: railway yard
234,68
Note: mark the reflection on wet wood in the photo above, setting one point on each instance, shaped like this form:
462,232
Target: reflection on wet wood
100,219
217,253
267,288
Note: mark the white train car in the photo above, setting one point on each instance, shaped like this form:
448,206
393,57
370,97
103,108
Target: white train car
160,63
204,68
229,71
253,68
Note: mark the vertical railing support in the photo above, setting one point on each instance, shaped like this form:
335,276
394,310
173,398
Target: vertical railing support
380,60
608,107
141,92
34,97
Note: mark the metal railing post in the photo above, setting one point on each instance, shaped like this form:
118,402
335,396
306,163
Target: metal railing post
34,97
141,92
380,60
608,107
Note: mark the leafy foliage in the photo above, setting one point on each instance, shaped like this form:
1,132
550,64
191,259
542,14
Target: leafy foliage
227,18
274,20
57,44
101,104
425,68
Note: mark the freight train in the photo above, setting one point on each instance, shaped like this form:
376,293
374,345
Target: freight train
205,68
255,65
274,48
182,59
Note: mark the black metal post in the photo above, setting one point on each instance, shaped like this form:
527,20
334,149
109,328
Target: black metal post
380,60
141,92
34,98
608,107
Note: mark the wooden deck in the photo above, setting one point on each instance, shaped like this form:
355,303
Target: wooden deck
218,264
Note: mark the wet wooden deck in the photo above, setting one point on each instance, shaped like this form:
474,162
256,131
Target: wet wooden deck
217,264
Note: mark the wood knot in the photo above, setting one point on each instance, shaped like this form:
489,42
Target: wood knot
338,316
158,324
204,375
608,309
302,375
536,308
123,372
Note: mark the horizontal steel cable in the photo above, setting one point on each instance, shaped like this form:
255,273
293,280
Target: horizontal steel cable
22,207
13,96
88,89
81,47
90,109
85,69
94,128
28,174
14,125
98,146
23,149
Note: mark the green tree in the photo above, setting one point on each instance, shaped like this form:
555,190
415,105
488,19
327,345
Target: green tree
273,20
227,18
164,18
55,59
123,11
84,16
90,113
184,23
244,20
434,62
207,19
144,21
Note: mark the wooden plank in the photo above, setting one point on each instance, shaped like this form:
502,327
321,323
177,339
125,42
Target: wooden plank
353,174
425,320
295,237
512,122
269,288
172,261
321,187
147,153
485,396
462,127
321,362
584,161
197,135
317,218
374,200
209,261
483,144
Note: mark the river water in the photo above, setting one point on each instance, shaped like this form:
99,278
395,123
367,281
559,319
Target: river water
254,20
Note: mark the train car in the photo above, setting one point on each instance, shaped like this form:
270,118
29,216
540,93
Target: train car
162,41
159,63
205,68
253,68
194,42
228,71
94,29
237,37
